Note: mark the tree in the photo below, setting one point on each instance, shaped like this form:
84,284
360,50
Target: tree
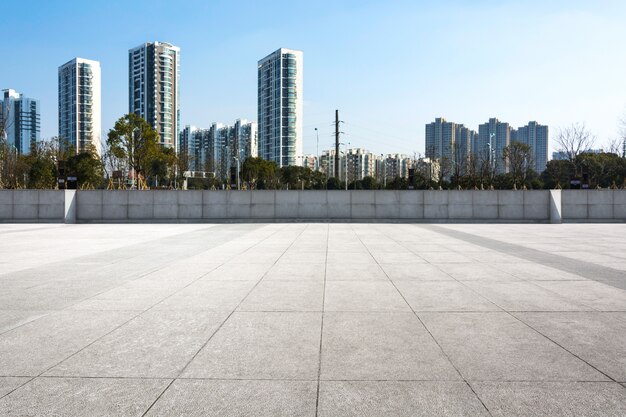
134,140
557,174
519,157
163,164
86,167
369,183
318,180
334,183
259,173
574,140
398,183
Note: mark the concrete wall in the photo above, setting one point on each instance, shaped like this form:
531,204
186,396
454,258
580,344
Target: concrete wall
593,205
366,206
44,206
312,205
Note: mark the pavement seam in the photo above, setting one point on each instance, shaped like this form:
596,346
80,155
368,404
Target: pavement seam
142,275
443,352
32,378
227,318
509,313
319,368
608,276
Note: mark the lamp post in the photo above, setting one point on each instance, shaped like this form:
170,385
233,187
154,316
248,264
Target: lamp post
317,149
5,141
237,159
492,156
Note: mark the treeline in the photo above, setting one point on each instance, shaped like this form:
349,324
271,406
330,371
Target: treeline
134,157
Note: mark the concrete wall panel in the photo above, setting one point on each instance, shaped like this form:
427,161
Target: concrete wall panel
432,197
191,197
435,211
214,197
366,205
165,211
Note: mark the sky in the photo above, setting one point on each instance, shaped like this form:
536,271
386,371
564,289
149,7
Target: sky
389,66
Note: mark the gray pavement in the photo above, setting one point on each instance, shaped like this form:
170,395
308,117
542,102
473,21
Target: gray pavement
313,319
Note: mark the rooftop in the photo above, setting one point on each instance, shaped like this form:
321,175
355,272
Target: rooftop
313,319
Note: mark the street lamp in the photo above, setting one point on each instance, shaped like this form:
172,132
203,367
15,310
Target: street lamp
492,155
317,149
346,144
237,159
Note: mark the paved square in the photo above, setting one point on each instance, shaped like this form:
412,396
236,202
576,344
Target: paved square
313,319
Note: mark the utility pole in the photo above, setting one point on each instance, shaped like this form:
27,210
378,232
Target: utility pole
337,144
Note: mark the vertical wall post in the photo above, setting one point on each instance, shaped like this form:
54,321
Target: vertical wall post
70,206
555,206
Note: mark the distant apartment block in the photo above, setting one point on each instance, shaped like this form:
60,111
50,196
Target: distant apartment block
20,119
493,137
80,122
153,88
217,148
361,163
535,136
428,168
310,161
395,165
450,141
280,107
440,139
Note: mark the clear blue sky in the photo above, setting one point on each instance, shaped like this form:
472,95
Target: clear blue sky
389,66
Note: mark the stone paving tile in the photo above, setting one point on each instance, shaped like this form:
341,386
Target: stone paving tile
8,384
285,296
296,272
261,345
445,258
375,346
536,272
497,347
237,398
349,258
598,338
208,295
238,272
476,272
443,296
553,399
594,294
71,397
157,344
390,398
525,296
131,298
299,257
395,258
419,272
10,319
363,296
43,343
355,272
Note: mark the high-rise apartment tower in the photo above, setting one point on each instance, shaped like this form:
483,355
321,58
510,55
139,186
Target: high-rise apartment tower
280,107
153,88
19,121
80,122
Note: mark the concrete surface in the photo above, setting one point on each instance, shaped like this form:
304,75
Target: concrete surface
100,206
312,319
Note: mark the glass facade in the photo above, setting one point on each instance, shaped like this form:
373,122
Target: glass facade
153,93
280,107
79,104
21,119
